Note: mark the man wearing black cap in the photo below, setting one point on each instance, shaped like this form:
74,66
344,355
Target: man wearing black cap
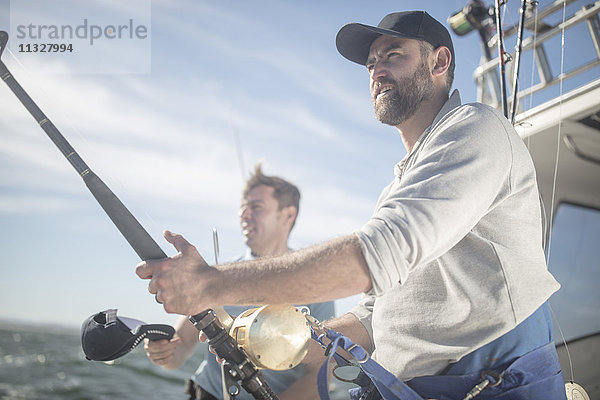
451,262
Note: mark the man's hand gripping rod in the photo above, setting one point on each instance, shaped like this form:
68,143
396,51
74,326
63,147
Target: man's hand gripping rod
139,239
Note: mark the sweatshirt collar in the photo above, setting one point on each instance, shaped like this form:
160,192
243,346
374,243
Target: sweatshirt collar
450,104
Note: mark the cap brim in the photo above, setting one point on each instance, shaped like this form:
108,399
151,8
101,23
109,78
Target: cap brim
353,41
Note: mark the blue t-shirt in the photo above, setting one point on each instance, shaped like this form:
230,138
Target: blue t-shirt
208,374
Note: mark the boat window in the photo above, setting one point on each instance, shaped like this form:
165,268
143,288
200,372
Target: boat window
574,262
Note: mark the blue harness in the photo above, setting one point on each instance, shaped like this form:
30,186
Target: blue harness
387,384
534,375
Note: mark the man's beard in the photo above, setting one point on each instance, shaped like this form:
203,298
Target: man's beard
402,102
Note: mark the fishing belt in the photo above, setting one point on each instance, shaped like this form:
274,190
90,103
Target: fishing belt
535,375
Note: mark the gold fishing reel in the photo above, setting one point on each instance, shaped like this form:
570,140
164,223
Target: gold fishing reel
274,337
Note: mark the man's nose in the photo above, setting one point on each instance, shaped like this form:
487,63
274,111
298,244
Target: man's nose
245,213
379,71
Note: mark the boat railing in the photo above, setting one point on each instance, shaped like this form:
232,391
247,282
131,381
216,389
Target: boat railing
486,74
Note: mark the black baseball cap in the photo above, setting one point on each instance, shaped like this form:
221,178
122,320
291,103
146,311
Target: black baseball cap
106,337
354,40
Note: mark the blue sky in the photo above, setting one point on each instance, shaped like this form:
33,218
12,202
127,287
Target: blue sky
262,73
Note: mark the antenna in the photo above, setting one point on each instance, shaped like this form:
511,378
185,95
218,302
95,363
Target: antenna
216,245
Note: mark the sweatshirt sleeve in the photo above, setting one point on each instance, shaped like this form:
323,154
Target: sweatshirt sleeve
364,313
460,170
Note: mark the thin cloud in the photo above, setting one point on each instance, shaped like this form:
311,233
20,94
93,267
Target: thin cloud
317,76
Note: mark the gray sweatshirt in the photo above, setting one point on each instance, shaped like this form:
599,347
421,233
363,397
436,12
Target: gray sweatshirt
454,247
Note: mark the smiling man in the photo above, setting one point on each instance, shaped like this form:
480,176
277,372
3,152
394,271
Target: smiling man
267,214
451,262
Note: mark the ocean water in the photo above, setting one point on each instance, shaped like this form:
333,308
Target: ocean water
39,364
49,364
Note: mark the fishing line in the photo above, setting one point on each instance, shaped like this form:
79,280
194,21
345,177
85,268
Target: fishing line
505,10
564,343
548,245
555,178
534,5
558,136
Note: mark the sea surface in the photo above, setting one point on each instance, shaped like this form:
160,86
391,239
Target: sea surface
49,364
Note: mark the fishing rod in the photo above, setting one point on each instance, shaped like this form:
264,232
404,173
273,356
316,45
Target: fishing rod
240,366
501,56
515,85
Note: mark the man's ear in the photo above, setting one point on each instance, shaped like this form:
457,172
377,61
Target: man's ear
291,213
442,59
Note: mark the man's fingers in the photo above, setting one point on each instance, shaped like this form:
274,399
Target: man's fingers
160,351
178,241
175,280
145,270
219,359
160,359
155,345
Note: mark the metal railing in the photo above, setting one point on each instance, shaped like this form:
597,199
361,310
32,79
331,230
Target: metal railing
486,75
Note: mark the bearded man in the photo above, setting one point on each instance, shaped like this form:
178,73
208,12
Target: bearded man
451,262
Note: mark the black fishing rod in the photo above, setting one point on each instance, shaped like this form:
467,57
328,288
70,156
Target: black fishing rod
140,240
515,85
501,56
